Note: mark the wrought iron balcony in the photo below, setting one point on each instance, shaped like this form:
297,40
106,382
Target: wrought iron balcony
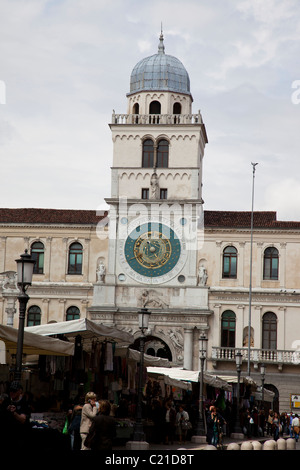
257,356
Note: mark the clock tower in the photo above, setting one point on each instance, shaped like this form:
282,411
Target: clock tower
156,211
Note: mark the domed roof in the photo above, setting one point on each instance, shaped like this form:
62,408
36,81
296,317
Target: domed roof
161,72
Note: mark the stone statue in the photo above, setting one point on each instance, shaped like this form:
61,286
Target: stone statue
202,276
154,186
150,298
101,272
9,283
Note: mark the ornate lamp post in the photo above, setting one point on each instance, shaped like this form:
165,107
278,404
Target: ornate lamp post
144,316
24,278
200,436
238,362
263,374
201,425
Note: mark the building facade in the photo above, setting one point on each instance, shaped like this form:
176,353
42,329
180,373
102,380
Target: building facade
158,249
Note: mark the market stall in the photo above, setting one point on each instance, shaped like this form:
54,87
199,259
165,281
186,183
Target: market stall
94,363
184,376
34,344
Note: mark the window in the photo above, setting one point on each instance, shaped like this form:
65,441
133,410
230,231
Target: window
73,313
148,154
163,193
155,107
269,331
145,193
162,154
75,259
176,108
230,262
34,316
228,329
37,253
271,263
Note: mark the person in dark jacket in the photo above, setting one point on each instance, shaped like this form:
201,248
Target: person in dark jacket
103,428
214,425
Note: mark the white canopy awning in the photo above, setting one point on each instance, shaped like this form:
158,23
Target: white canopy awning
34,344
190,376
88,329
134,355
233,379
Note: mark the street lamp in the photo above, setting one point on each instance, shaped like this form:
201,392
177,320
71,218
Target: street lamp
238,362
144,316
263,374
203,349
24,278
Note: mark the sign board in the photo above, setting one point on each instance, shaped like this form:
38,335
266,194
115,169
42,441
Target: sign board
295,401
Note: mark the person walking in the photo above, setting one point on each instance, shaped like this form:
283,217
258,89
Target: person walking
170,420
89,411
182,419
295,427
276,424
103,429
214,423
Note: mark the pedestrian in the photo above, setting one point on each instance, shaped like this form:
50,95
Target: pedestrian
74,427
295,426
270,422
15,419
214,425
103,429
290,424
276,426
261,423
182,420
89,411
170,421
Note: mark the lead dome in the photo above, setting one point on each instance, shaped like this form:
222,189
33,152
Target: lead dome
160,72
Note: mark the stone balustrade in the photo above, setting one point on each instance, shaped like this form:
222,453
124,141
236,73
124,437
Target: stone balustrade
271,356
144,119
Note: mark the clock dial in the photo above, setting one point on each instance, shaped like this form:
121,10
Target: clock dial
152,249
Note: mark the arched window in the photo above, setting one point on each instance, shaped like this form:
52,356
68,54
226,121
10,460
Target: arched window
176,108
269,331
271,261
73,313
37,253
228,329
148,154
155,107
34,316
163,154
230,262
136,108
75,259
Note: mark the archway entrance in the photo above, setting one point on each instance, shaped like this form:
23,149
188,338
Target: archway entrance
154,347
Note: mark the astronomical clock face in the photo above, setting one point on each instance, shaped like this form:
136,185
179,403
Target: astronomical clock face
152,252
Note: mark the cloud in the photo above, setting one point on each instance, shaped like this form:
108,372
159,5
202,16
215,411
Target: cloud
66,65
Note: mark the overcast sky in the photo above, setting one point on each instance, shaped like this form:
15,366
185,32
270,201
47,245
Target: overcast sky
66,64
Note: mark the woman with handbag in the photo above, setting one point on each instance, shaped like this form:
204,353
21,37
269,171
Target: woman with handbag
214,424
182,423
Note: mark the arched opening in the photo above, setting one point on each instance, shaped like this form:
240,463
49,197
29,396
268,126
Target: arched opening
154,347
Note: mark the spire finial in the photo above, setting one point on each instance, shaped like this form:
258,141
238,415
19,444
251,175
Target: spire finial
161,46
